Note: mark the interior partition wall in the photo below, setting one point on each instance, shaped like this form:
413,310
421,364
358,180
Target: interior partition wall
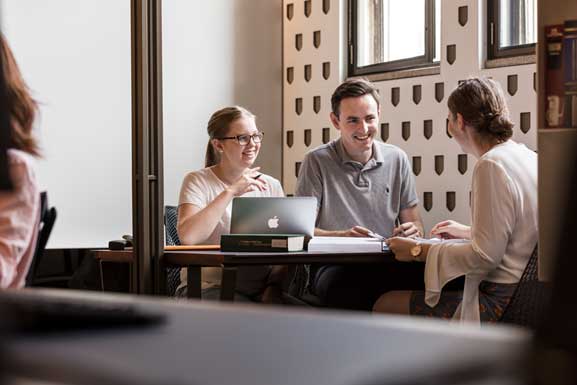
75,58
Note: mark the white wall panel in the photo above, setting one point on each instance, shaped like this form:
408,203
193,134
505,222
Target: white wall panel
75,56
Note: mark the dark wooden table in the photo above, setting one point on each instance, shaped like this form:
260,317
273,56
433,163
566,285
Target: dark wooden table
230,261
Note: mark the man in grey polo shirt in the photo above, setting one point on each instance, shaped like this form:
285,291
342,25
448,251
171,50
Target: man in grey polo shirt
361,185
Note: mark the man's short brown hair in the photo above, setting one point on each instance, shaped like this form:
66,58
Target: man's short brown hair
353,88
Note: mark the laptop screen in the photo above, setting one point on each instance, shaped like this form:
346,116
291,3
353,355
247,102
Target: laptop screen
294,215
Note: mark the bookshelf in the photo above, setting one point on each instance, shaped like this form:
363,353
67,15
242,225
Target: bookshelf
556,145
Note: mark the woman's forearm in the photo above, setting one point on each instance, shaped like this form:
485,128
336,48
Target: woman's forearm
197,228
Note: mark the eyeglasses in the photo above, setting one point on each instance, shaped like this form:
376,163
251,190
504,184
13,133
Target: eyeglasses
244,139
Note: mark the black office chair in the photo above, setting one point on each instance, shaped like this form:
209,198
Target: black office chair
171,235
530,299
47,219
298,292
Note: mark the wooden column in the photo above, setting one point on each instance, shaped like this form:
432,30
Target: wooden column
148,276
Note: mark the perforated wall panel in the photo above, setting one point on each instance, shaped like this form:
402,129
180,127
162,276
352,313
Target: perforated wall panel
311,72
413,110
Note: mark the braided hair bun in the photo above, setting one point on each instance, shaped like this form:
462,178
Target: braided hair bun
482,104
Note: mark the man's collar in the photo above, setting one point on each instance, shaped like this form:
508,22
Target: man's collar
343,155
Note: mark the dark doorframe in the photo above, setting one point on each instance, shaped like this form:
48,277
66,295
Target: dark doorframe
148,274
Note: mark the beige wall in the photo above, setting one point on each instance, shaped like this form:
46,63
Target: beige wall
219,53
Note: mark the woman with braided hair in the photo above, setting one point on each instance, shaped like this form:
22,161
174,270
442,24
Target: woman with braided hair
493,252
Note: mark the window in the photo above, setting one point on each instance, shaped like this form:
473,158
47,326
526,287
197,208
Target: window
511,28
389,35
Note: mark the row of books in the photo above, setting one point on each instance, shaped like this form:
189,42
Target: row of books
561,75
296,242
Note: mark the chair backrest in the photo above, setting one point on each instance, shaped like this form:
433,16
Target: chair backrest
47,219
529,301
170,222
171,235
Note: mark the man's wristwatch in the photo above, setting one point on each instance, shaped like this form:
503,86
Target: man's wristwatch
416,251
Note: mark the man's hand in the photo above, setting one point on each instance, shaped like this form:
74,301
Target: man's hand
407,230
356,231
451,230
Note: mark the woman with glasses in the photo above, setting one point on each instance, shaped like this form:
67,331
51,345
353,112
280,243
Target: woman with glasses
204,207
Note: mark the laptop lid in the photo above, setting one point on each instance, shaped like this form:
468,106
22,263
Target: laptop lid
294,215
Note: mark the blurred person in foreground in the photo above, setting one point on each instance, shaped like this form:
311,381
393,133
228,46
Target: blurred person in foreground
19,208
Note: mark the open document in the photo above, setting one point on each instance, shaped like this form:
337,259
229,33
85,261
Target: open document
346,244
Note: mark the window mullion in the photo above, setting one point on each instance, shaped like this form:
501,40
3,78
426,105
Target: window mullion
429,30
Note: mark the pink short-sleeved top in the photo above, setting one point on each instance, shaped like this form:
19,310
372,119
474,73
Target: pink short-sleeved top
19,219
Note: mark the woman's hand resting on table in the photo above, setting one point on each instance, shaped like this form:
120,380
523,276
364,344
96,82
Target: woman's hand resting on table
451,230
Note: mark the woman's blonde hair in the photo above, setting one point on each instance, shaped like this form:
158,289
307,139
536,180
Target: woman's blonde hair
218,127
21,106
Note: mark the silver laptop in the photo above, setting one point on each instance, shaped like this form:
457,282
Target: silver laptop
294,215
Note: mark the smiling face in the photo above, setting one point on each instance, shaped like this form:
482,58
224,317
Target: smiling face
357,121
233,154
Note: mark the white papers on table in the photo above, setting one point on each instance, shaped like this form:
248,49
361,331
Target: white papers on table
345,244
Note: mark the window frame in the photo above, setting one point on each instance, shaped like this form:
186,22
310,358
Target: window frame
423,61
493,38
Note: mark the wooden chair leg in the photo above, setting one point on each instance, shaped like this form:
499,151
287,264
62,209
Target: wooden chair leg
193,282
228,283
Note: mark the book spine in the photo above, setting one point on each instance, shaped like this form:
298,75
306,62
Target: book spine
570,72
554,87
253,244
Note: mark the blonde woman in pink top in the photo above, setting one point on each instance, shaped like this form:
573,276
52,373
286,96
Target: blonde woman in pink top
19,208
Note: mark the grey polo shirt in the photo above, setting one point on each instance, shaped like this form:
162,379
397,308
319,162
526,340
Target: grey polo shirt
350,193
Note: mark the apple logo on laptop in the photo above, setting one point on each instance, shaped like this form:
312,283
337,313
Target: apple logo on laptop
273,222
